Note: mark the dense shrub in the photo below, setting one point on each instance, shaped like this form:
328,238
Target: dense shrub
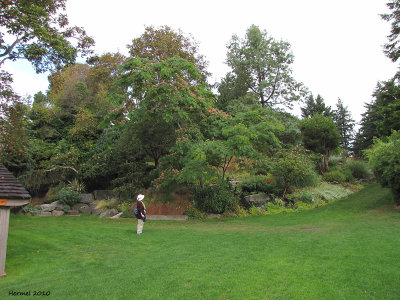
54,191
306,197
384,158
293,168
214,199
335,161
257,184
359,169
194,213
334,176
68,196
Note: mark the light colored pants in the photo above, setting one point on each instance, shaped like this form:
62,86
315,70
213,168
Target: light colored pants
139,226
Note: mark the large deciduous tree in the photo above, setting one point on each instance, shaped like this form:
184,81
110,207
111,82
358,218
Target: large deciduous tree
37,30
162,99
263,66
161,43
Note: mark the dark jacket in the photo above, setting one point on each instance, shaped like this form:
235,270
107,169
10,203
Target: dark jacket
140,208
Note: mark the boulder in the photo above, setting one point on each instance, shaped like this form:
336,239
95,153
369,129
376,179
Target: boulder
82,208
44,214
59,206
57,213
73,212
49,207
116,216
103,195
108,213
95,211
86,198
257,200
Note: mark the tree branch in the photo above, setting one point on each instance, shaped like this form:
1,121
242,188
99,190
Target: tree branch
71,168
9,48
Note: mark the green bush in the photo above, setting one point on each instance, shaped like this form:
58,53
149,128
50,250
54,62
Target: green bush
257,184
217,198
338,175
32,209
334,161
53,192
126,209
68,196
305,197
194,213
334,176
359,169
384,158
292,168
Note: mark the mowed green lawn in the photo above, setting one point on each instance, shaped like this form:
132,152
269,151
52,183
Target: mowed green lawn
349,249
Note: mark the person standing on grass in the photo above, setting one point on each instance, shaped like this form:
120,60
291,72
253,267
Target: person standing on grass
141,214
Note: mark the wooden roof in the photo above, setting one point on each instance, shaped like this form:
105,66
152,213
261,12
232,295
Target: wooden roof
10,187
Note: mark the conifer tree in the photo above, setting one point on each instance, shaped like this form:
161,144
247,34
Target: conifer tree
344,123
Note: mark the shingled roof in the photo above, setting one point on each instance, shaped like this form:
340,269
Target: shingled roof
10,187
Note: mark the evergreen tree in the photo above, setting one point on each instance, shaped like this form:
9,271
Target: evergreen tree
382,115
315,106
364,137
344,123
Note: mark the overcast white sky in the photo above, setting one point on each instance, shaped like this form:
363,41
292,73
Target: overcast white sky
337,44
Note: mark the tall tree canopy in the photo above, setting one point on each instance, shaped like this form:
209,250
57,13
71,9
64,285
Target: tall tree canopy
38,31
382,114
161,43
392,49
263,66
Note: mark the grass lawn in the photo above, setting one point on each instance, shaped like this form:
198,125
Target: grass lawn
348,249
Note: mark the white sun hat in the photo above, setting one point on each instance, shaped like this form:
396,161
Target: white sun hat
140,197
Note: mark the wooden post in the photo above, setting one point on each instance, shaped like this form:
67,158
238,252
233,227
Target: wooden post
4,219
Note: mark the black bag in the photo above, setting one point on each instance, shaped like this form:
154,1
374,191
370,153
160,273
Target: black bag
136,212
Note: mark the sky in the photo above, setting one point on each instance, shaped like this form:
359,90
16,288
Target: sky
337,45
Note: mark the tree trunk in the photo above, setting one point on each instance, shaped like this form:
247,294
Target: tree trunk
156,163
326,163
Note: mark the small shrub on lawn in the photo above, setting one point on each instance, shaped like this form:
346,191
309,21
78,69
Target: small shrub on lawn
194,213
68,196
216,199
